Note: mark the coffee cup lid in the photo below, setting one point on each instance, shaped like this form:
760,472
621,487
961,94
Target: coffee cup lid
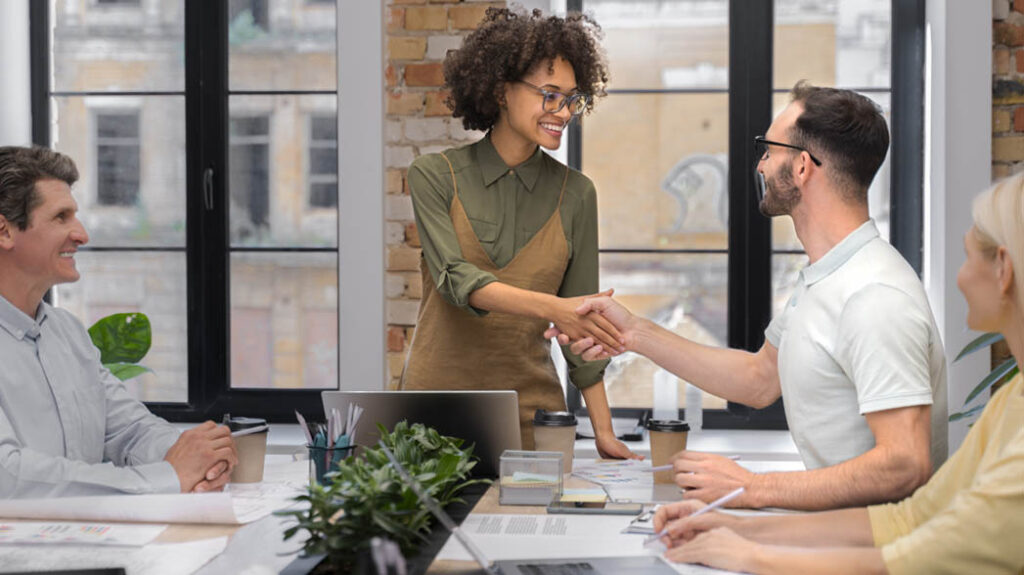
240,423
553,418
667,425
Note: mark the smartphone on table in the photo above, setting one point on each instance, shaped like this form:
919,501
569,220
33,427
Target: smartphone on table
595,507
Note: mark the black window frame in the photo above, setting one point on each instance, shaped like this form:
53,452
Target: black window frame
207,92
750,90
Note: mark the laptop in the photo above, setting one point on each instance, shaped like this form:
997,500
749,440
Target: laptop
489,420
634,565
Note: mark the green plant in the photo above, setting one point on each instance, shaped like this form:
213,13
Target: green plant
1005,369
123,340
366,497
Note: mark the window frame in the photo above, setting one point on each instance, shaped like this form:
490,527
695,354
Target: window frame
750,90
206,93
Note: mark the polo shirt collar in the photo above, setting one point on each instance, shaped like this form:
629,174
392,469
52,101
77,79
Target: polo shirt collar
840,253
493,167
17,323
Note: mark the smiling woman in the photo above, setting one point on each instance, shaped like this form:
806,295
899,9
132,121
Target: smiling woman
509,234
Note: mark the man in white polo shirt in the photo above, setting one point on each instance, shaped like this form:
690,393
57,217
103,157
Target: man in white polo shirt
856,353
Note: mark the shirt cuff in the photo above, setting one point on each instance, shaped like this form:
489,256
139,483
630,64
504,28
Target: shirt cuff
886,524
161,476
456,288
588,373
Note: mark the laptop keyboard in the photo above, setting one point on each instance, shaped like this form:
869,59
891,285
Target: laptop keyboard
578,568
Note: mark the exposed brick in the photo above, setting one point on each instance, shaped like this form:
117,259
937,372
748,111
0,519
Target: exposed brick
390,76
426,18
445,1
396,363
394,285
412,235
414,286
432,149
1002,120
1001,61
407,47
460,133
468,16
1008,149
438,46
426,129
396,19
1018,120
398,156
402,312
424,74
403,104
436,105
1007,92
402,258
1019,58
392,131
1000,9
396,338
408,1
1008,34
393,180
1018,5
1000,171
398,208
394,234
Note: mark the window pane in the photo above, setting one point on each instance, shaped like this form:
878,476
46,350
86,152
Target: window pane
785,273
685,294
284,320
118,46
281,45
149,282
659,163
130,153
783,233
657,44
845,43
273,164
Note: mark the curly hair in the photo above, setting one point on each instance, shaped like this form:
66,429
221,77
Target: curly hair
506,46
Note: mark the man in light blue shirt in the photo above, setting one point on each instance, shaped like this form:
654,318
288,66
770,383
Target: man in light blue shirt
67,426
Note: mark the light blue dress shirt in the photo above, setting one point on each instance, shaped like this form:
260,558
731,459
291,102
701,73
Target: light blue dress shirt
67,425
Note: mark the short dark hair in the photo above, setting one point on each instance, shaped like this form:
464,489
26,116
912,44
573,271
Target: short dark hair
506,46
845,127
20,169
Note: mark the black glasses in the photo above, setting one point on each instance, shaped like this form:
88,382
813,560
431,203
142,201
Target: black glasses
761,148
555,101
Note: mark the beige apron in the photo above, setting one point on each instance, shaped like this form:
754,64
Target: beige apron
452,349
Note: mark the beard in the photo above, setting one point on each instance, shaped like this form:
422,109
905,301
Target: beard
780,194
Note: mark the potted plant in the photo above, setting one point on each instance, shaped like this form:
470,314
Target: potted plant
123,340
1005,370
366,497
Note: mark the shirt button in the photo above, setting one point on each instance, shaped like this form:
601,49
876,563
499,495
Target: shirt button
511,172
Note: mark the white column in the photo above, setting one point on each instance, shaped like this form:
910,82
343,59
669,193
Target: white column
958,165
15,90
361,254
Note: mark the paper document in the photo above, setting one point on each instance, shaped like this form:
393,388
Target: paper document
155,559
78,533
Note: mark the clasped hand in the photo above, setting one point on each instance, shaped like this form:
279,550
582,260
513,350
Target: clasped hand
604,312
572,324
203,457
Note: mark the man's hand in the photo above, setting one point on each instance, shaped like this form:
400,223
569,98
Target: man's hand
203,457
576,326
590,348
706,477
609,447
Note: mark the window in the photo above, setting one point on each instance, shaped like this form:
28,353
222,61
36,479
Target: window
198,120
669,150
117,159
323,161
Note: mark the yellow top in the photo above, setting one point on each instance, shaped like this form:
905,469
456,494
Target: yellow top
969,518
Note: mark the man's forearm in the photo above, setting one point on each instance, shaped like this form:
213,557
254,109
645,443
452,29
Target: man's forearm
731,374
877,476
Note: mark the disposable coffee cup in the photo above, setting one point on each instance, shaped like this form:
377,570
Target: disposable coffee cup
668,437
251,448
555,431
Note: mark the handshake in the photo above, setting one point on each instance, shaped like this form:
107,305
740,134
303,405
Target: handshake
596,326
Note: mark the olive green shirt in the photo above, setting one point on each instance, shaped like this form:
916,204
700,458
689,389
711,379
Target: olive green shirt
506,207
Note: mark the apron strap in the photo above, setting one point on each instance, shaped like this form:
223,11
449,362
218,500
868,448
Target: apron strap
561,194
455,185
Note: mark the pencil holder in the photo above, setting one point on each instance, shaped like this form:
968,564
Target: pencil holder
323,460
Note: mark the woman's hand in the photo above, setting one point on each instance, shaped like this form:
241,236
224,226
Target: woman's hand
590,325
679,527
720,548
609,447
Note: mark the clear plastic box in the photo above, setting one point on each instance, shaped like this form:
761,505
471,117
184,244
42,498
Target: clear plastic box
529,477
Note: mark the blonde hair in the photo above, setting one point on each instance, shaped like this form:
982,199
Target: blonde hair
999,221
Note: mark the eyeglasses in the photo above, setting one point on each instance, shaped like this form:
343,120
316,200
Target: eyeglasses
555,101
761,148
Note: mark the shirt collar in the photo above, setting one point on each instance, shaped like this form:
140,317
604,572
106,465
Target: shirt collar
493,167
840,253
17,323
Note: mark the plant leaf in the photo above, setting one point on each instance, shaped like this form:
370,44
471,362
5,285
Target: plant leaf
997,374
126,371
980,342
968,413
122,337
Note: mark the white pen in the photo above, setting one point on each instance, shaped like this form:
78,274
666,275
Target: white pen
669,466
249,431
709,507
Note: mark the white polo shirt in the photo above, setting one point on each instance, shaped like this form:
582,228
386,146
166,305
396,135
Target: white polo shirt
857,336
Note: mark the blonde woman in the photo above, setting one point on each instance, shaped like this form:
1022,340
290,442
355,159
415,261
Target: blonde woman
969,518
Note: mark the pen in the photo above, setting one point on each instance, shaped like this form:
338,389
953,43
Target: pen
709,507
669,465
249,431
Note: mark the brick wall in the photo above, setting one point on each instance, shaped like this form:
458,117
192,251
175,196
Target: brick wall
419,33
1007,102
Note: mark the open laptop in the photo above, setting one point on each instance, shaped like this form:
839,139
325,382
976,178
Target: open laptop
634,565
489,420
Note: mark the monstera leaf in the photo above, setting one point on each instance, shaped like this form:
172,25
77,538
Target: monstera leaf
123,340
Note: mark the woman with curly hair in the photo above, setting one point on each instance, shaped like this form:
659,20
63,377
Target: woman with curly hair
509,234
